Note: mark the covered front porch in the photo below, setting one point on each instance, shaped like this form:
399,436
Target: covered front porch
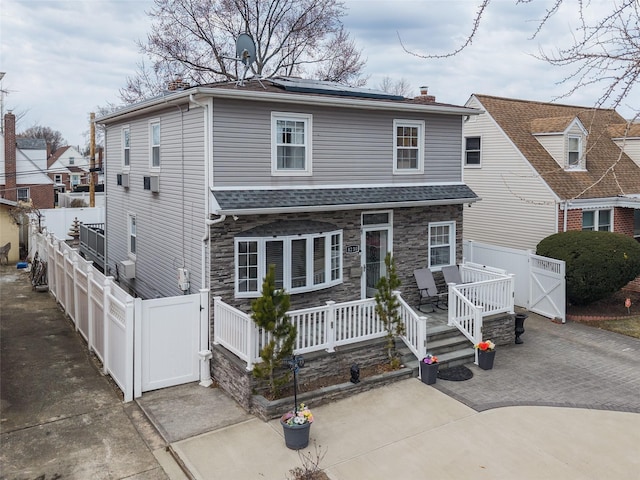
484,292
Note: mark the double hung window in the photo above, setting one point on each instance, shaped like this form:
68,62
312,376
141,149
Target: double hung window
442,244
472,152
596,220
132,235
291,143
408,150
574,149
154,144
126,146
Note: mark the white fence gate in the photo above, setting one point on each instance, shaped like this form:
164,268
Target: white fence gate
143,344
170,341
539,281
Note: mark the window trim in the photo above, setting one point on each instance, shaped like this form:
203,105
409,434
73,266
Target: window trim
467,151
420,124
596,219
132,233
452,244
57,178
330,266
20,198
126,159
308,141
579,164
153,123
74,176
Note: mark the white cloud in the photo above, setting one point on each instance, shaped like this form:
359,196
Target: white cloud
64,58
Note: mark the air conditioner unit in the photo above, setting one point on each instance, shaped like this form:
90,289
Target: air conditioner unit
123,180
155,183
127,269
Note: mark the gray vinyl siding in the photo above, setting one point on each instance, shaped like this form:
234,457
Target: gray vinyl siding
517,209
349,146
170,224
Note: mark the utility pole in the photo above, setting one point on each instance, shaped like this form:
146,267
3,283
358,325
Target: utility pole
92,153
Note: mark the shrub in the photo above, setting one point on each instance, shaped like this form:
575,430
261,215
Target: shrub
270,314
597,263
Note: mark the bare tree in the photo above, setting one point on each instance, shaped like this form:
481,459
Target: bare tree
604,52
195,40
395,87
53,137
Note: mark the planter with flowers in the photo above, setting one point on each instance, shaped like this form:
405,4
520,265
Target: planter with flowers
296,426
486,354
429,369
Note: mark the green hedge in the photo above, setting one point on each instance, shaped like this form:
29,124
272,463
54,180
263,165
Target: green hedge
597,263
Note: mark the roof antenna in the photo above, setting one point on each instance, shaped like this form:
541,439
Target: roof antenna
245,53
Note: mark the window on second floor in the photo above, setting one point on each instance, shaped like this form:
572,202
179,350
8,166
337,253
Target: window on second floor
442,244
574,151
291,135
599,220
472,152
154,144
126,146
57,178
23,194
408,146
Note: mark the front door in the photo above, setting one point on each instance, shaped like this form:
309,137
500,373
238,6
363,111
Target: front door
377,241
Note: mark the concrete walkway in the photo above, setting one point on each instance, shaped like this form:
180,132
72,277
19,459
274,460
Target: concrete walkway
409,430
517,420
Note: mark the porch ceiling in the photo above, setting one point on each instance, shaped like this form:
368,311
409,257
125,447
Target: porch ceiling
246,201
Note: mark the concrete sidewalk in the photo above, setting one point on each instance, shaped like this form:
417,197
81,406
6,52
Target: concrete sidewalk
409,430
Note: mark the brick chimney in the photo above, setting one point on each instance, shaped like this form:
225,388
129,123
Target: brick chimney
424,96
178,84
10,192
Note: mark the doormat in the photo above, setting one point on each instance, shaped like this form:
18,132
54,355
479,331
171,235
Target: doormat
455,374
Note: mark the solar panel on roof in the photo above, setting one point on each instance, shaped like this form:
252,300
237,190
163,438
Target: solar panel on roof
303,85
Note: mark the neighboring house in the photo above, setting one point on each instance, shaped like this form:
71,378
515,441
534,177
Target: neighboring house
9,231
543,168
23,168
213,183
68,168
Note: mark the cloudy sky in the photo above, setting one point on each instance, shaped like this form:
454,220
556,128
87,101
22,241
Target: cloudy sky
64,58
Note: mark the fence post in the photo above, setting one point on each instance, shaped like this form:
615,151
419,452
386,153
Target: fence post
252,334
216,310
330,326
512,293
106,293
129,329
137,348
477,329
422,334
205,350
90,326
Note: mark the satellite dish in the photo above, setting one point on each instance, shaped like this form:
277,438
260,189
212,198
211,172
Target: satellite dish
245,53
245,49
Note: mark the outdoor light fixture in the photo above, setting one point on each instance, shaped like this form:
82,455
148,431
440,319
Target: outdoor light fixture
355,373
294,363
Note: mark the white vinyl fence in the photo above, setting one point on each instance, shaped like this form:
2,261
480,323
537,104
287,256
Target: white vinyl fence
539,283
105,315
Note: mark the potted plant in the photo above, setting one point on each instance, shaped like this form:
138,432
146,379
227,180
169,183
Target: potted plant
296,426
486,354
429,369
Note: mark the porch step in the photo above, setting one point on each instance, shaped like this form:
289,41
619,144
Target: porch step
450,346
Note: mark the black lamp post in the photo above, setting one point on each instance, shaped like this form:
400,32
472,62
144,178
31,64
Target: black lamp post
294,363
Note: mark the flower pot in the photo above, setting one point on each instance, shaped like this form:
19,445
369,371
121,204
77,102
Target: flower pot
296,437
428,372
485,359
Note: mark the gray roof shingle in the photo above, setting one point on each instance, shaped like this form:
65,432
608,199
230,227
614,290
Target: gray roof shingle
239,201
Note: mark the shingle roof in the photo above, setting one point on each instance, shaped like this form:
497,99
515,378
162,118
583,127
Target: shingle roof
31,143
609,172
56,155
620,130
239,201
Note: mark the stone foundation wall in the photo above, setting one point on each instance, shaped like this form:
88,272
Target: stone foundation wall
231,374
500,329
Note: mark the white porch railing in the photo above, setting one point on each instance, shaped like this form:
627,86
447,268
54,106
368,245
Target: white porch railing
319,328
485,291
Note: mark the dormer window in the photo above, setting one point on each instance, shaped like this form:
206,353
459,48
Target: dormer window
574,151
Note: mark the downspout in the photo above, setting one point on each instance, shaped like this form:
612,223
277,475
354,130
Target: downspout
205,326
564,217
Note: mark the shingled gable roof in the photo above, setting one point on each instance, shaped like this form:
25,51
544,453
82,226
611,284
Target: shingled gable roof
56,155
610,172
